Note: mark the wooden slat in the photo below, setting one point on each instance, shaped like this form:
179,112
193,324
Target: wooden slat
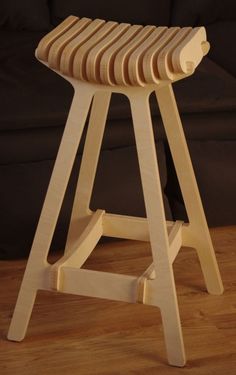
46,42
58,46
110,53
107,60
96,53
165,66
121,59
189,52
68,54
135,63
80,58
99,284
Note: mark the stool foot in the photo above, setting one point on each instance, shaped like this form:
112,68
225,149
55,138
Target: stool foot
173,339
209,266
172,326
22,314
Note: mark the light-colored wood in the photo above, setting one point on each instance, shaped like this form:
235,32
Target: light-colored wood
166,54
37,264
91,151
81,249
54,56
88,166
122,54
199,232
121,226
95,55
121,72
148,274
99,58
75,335
150,58
134,228
70,49
46,43
157,228
81,55
99,284
185,57
107,59
135,65
175,240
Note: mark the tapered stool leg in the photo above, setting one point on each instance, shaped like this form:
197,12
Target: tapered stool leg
35,275
165,285
199,236
88,166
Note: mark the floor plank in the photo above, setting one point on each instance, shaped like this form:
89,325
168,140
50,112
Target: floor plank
78,335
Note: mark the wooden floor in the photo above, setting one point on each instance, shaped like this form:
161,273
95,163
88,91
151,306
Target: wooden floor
75,335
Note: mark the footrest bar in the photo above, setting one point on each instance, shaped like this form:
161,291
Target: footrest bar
99,284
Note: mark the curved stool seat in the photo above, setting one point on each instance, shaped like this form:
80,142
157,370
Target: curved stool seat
99,58
122,54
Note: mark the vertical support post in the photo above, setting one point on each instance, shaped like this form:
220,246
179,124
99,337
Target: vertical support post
34,277
89,163
165,285
199,233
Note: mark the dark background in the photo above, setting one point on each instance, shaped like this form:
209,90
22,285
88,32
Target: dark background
34,103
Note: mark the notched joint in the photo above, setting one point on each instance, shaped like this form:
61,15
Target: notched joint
55,279
141,290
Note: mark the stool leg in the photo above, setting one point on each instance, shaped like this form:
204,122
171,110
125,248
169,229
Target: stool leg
35,276
88,166
165,285
199,233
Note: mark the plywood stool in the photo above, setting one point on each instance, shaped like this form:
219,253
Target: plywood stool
99,58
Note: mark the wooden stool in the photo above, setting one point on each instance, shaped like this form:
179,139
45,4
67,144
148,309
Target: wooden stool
99,58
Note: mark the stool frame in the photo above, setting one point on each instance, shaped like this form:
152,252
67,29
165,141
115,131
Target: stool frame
156,286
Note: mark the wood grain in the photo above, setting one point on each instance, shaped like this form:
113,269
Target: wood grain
78,335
